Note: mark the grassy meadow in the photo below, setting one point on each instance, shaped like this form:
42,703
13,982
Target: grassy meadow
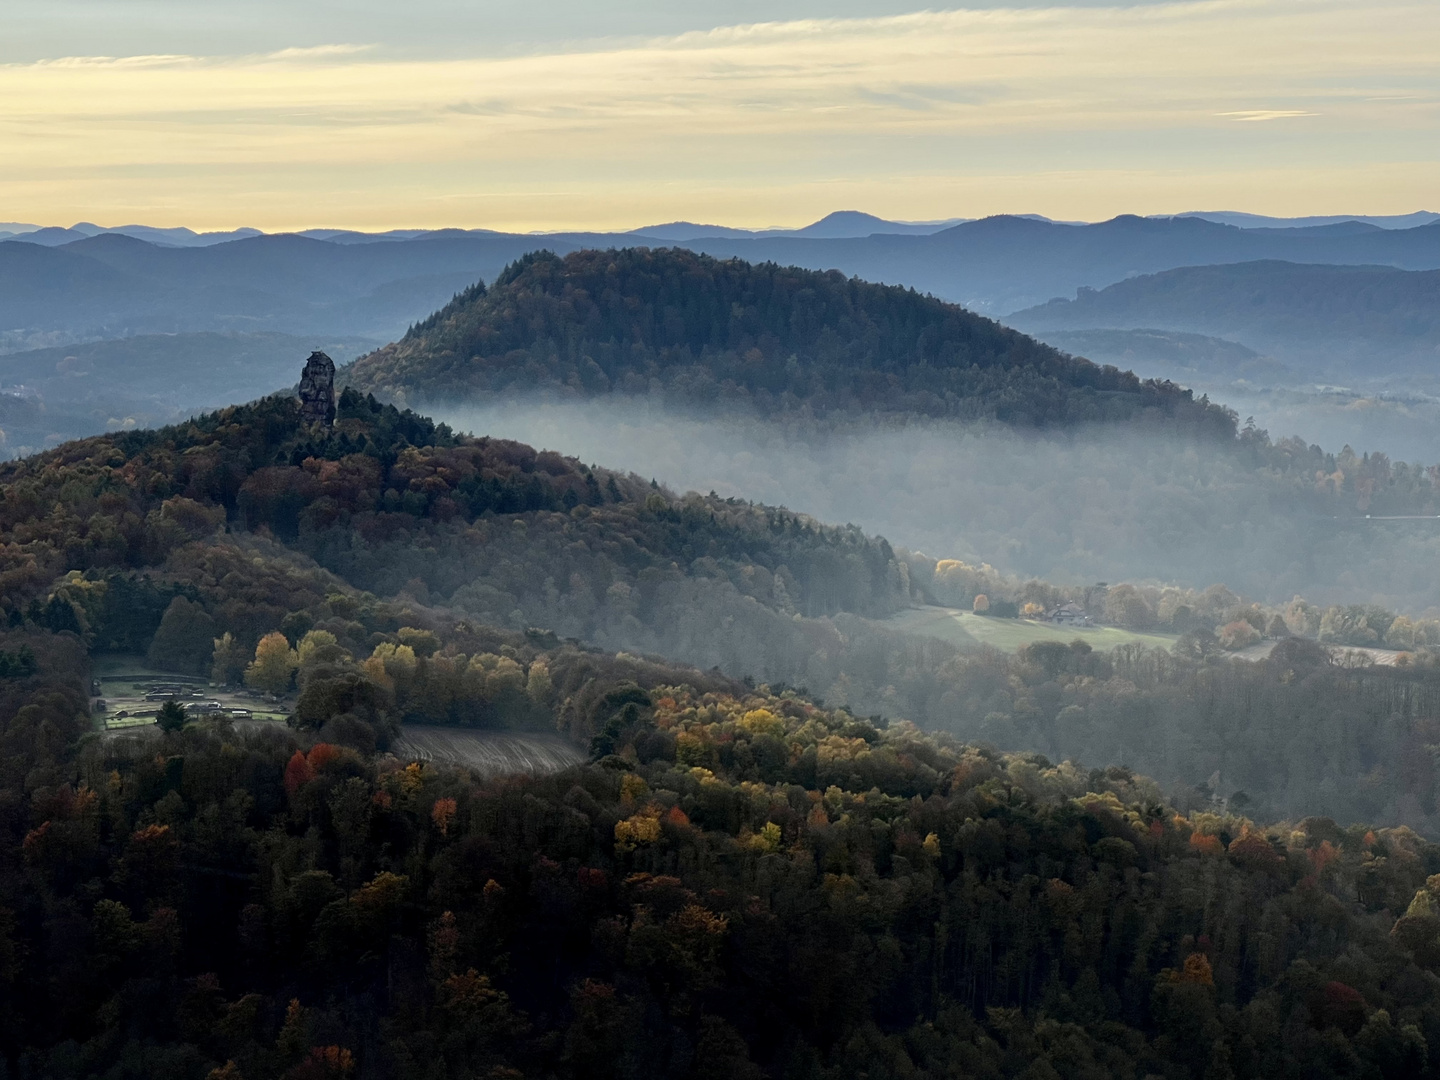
967,628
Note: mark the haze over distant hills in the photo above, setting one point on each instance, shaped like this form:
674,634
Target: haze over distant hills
1261,221
839,224
706,332
112,285
1326,321
62,287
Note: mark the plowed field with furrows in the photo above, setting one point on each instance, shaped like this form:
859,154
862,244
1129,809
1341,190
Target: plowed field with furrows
491,753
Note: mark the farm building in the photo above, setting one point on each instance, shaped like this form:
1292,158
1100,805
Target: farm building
1069,615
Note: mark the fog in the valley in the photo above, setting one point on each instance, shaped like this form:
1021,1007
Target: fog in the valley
1406,426
1098,505
1371,402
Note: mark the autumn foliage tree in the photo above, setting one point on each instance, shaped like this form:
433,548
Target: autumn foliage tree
274,666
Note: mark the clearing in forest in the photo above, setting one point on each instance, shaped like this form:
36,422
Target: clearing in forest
966,628
131,693
490,753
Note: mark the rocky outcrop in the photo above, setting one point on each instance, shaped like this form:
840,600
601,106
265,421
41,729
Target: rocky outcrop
317,390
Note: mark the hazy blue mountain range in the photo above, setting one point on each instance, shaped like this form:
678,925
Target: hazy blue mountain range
366,289
836,225
53,236
112,285
842,224
1003,264
1260,221
1351,321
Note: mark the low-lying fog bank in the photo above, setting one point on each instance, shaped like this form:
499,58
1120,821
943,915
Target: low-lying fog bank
1406,426
1372,403
1097,505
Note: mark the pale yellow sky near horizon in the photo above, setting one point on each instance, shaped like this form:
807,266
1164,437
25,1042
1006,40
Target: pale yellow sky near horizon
1285,107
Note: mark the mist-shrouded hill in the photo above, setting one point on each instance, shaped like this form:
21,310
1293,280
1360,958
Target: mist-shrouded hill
658,360
777,339
248,522
1365,322
331,284
731,871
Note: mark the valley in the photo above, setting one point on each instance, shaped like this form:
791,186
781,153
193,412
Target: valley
494,685
719,541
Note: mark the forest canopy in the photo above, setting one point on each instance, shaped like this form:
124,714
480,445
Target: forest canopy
199,543
705,331
739,880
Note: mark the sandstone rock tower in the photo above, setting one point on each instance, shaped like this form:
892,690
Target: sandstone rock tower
317,390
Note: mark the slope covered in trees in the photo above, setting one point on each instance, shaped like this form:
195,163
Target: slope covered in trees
200,543
778,338
741,884
392,501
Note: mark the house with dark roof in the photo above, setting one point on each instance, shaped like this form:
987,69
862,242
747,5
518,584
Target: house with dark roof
1069,615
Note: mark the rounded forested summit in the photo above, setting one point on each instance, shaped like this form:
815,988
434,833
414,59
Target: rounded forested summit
703,330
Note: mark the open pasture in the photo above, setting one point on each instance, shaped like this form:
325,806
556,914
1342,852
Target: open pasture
966,628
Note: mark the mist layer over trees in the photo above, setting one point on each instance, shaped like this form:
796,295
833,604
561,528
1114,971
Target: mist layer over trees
779,339
1094,504
742,881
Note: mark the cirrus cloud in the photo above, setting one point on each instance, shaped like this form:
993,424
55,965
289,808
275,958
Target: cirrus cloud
928,114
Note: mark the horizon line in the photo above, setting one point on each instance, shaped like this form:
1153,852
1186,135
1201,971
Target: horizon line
16,229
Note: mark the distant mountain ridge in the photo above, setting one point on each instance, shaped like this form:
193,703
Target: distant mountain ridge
838,224
113,285
1262,221
336,285
1315,317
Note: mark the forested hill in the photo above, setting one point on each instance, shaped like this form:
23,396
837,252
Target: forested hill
738,886
778,338
391,501
739,883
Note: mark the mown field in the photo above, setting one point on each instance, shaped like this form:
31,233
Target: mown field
966,628
490,753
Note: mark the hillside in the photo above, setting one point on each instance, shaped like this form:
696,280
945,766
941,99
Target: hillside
330,286
197,542
1190,359
751,881
1366,321
776,338
394,505
738,884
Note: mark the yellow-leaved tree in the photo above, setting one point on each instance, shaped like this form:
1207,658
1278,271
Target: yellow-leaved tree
274,664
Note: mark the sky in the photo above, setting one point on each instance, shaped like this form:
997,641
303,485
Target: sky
557,114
